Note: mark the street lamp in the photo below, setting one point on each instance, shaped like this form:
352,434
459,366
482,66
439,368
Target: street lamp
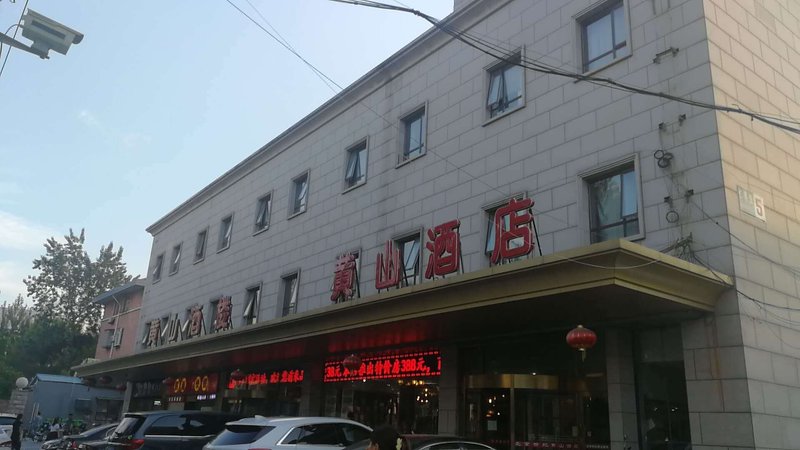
46,34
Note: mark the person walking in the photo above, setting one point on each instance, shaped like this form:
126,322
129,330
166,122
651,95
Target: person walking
385,437
16,433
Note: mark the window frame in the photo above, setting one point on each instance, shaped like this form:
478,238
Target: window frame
591,15
293,191
245,319
268,199
200,258
512,60
158,268
402,239
285,309
227,245
175,260
361,146
419,112
586,178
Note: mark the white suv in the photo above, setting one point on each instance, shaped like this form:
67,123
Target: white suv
7,422
289,433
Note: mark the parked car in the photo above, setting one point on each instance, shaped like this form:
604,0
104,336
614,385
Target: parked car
7,422
289,433
430,442
71,442
168,430
5,438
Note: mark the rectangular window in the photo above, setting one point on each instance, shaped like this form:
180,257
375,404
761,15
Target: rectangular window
414,128
118,337
252,305
225,230
109,339
299,194
263,211
410,258
604,35
614,205
175,261
356,172
200,245
506,87
157,267
290,288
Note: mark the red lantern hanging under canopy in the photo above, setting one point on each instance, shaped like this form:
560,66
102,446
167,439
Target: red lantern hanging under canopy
581,339
237,375
121,387
167,381
105,379
352,363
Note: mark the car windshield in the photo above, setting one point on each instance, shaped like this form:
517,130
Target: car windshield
241,434
128,426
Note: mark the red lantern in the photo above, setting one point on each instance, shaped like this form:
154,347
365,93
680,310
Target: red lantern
167,381
89,381
581,339
121,387
105,379
352,363
237,375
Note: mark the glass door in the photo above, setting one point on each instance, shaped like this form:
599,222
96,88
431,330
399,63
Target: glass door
489,417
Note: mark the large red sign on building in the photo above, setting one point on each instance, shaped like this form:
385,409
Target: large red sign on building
408,365
194,384
444,247
512,230
387,268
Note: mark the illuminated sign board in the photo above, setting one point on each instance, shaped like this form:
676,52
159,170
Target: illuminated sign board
274,377
407,365
194,384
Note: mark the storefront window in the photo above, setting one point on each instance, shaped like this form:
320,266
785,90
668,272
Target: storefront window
661,386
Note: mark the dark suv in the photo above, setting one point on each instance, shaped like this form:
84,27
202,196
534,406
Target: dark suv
168,430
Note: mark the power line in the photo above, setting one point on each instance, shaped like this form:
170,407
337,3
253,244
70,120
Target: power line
510,58
17,25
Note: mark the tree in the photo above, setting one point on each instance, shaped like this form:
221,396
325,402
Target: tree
51,345
15,319
68,280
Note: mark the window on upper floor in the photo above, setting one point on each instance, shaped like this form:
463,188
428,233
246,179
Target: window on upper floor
299,197
175,261
409,247
252,305
356,169
200,245
290,287
414,134
506,86
225,231
604,35
157,267
263,211
108,339
614,204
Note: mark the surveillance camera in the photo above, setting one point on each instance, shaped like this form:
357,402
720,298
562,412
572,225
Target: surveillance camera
47,34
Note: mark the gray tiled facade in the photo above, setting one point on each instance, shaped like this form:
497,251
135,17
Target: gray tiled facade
742,362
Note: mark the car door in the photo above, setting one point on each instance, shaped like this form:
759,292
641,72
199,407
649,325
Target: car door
166,433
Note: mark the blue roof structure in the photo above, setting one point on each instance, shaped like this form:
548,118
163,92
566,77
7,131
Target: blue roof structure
57,378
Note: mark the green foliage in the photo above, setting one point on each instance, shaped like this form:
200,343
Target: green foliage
51,345
69,279
15,319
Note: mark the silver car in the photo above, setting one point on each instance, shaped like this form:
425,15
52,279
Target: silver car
289,433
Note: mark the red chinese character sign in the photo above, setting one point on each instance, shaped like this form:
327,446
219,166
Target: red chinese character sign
512,230
195,324
344,276
444,247
264,378
153,336
223,321
408,365
387,268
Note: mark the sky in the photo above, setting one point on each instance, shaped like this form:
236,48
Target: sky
158,100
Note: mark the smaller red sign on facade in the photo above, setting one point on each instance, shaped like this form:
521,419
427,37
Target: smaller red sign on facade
387,268
194,384
512,224
409,365
343,277
196,325
265,378
223,320
444,245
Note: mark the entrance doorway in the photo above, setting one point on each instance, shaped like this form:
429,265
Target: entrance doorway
519,411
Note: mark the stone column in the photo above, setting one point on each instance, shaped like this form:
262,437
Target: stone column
621,390
449,405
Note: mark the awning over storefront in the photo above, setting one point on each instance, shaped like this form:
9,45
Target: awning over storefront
615,282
